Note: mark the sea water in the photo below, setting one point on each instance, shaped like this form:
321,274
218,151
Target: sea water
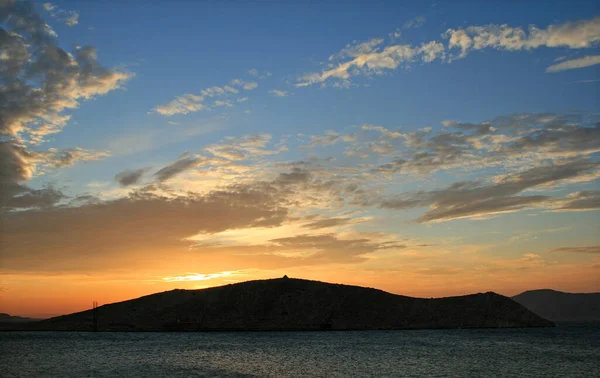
564,351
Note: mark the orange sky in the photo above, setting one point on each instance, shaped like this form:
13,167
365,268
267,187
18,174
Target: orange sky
42,296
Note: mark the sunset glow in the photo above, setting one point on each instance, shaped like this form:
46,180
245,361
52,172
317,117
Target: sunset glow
411,148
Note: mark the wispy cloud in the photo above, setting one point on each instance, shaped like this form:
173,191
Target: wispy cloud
374,58
591,249
189,103
586,61
371,60
586,81
245,147
130,177
278,93
574,35
470,199
416,22
184,163
68,17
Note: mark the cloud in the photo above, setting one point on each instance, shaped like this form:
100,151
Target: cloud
470,199
375,61
385,132
250,85
189,103
591,249
330,137
579,201
502,141
155,224
200,276
130,177
586,81
278,92
134,230
357,49
574,35
69,18
330,248
244,147
63,158
416,22
32,109
329,222
19,164
374,58
183,164
586,61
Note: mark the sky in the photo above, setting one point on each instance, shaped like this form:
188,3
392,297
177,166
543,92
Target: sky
423,148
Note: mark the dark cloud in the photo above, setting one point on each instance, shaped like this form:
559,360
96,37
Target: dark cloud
477,128
183,164
591,249
557,138
331,222
581,201
142,226
296,176
496,142
16,166
130,177
471,198
38,198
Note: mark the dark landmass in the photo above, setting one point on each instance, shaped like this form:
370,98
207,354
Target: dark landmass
6,318
558,306
9,322
295,304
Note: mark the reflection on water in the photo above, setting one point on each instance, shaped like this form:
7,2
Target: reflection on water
562,351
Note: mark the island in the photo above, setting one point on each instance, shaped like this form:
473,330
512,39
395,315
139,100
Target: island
287,304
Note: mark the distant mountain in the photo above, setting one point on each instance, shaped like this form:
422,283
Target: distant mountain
6,318
294,304
562,307
8,322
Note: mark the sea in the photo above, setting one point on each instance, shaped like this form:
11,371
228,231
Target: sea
564,351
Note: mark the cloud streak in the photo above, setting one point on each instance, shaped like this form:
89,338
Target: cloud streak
130,177
595,249
185,163
586,61
469,199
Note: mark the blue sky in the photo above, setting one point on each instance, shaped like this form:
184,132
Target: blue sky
429,139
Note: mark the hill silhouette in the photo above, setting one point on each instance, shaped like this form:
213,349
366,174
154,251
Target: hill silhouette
8,321
296,304
559,306
10,318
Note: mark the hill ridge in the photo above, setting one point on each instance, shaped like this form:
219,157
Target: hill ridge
297,304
